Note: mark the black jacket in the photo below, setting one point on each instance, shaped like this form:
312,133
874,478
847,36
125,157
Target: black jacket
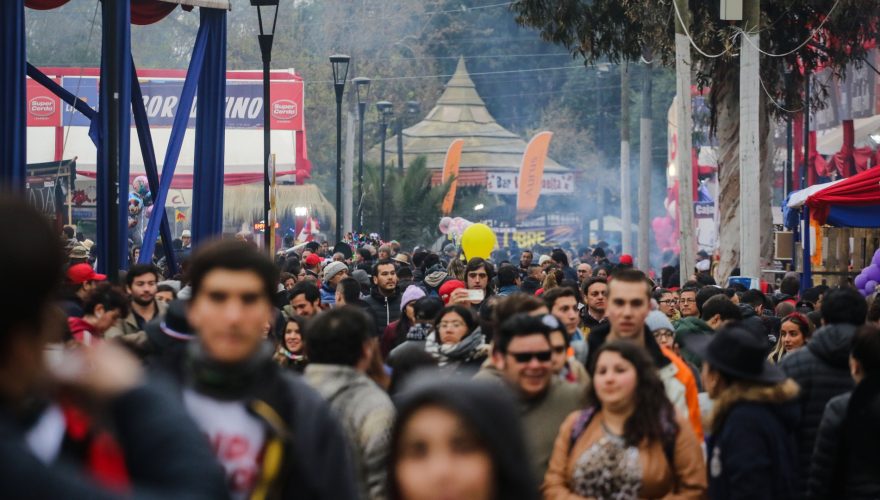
821,369
166,456
316,461
845,460
383,309
751,451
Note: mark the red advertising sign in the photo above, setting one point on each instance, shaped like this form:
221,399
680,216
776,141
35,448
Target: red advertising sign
286,106
43,107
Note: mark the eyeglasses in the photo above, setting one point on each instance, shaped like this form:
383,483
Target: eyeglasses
451,324
670,301
525,357
663,334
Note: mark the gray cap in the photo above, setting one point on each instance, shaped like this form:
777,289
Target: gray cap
361,276
332,269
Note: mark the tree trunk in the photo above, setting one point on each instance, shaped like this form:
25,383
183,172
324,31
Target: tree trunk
727,98
768,174
645,162
625,178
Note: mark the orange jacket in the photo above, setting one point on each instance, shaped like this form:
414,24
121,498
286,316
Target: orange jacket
686,377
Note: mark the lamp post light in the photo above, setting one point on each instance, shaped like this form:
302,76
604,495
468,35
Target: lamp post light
267,16
385,110
412,109
362,87
340,74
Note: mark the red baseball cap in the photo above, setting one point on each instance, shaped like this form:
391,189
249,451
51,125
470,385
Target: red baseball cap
626,259
81,273
447,288
313,260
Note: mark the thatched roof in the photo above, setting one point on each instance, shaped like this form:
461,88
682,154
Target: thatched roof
245,202
461,113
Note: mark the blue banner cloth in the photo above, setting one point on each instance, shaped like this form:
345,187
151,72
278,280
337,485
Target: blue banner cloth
13,126
175,141
208,166
145,138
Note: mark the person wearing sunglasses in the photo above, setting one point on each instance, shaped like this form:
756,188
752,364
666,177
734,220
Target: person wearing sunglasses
522,359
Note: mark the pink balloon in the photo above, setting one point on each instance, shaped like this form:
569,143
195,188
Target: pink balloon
445,224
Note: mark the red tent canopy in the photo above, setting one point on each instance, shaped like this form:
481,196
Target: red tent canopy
142,11
860,190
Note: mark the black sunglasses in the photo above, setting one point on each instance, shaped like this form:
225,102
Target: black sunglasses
525,357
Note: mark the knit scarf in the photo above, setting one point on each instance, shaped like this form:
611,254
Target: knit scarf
470,347
227,381
418,332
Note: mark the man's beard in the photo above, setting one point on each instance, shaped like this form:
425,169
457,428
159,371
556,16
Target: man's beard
141,301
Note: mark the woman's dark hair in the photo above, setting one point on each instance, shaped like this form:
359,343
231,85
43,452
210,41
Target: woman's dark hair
109,296
301,322
462,311
652,408
489,415
866,349
803,323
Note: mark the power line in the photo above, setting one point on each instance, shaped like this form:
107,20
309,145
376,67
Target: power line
419,77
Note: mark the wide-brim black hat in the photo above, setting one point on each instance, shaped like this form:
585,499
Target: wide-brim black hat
737,352
344,249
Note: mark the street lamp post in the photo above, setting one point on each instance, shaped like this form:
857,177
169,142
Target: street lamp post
384,108
267,16
362,86
340,74
412,109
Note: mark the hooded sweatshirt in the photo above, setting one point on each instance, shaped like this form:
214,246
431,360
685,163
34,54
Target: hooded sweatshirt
822,372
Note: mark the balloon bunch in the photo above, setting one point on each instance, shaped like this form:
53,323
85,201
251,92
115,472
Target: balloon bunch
140,206
869,279
454,227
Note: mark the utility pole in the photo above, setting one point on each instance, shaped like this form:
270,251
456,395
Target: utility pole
683,146
348,175
625,179
749,143
645,161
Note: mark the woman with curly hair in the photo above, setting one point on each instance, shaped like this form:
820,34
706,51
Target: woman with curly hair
628,442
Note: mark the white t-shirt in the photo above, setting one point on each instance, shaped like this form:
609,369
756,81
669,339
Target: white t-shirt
236,436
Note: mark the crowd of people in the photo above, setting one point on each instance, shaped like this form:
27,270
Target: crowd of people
365,371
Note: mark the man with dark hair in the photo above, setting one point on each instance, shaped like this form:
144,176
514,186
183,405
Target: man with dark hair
81,279
103,306
348,292
595,292
821,369
41,459
522,360
383,303
629,302
718,311
508,280
668,303
141,286
562,302
271,432
305,301
687,302
525,260
478,274
751,305
706,293
338,346
789,288
534,279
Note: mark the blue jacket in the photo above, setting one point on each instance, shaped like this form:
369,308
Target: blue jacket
328,296
751,450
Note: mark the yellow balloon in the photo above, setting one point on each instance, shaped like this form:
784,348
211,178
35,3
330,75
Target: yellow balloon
478,240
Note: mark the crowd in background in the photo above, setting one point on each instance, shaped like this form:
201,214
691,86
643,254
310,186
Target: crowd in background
368,371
